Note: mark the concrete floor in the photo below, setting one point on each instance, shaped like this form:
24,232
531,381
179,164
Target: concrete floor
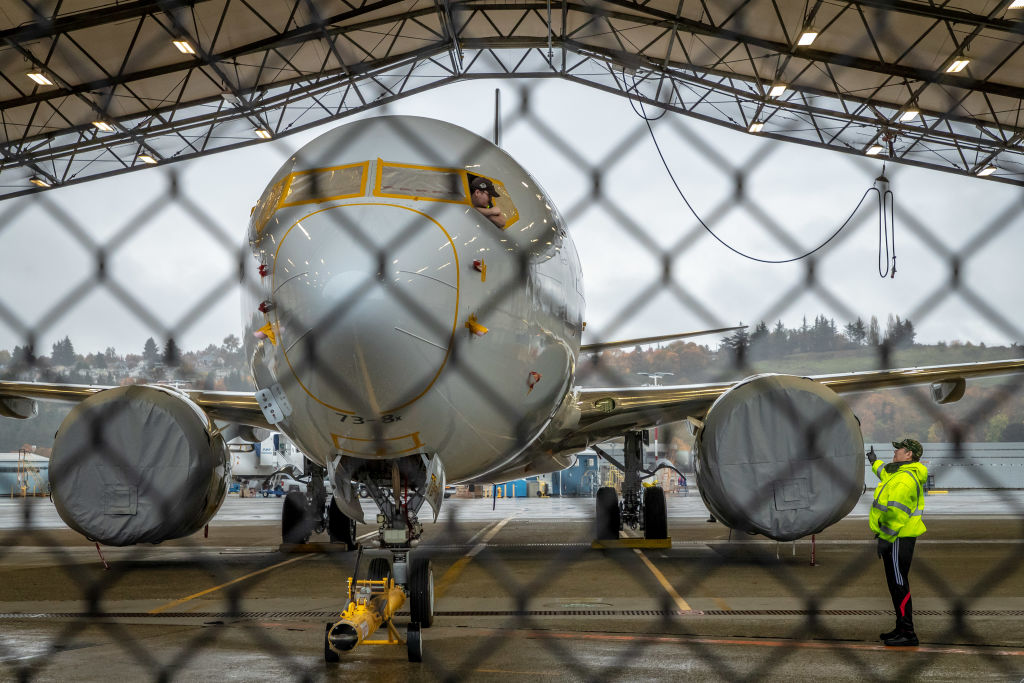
521,595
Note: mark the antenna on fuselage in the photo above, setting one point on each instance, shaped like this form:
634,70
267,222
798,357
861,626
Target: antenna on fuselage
497,116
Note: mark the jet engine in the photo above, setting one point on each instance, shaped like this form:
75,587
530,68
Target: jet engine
780,456
138,464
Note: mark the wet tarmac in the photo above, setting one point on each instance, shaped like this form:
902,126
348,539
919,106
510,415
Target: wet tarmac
521,595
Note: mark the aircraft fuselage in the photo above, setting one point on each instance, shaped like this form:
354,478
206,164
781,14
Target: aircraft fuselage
397,314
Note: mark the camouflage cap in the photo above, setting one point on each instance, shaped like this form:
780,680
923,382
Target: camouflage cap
912,446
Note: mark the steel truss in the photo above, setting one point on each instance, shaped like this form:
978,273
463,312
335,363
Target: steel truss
300,66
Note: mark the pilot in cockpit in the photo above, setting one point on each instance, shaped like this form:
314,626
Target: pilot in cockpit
483,194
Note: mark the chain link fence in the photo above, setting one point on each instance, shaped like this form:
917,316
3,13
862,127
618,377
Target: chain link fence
647,258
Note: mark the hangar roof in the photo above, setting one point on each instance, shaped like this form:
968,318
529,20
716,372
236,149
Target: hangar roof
95,88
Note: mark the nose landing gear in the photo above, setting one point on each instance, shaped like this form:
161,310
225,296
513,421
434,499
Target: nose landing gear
373,599
385,578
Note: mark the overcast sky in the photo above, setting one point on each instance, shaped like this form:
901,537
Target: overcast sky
179,259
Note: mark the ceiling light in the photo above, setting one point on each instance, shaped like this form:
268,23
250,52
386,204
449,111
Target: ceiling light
755,127
184,47
262,133
39,77
874,149
146,158
957,65
988,170
103,125
807,37
909,115
36,180
777,90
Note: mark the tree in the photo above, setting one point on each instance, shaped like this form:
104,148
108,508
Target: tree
150,352
232,343
996,426
874,335
856,332
172,354
1013,432
779,340
63,352
759,341
908,333
738,342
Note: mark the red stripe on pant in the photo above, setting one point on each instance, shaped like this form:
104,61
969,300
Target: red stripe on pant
903,605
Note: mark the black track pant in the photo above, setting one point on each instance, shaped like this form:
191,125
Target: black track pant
897,570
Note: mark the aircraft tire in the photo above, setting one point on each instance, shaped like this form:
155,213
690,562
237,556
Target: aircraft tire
340,526
296,521
329,655
421,591
607,514
379,569
655,513
414,642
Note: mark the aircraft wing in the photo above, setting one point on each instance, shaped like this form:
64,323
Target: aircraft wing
237,407
606,413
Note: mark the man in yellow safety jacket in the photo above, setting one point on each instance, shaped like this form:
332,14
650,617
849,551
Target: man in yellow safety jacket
897,520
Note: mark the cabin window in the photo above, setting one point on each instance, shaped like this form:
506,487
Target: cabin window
325,184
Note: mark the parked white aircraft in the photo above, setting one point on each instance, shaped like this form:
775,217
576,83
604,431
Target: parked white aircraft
415,305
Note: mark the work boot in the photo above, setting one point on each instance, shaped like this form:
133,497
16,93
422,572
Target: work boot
902,639
890,634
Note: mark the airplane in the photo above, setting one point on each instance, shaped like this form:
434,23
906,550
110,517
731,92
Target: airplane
414,310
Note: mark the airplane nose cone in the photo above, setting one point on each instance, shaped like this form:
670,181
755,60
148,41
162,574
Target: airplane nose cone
367,299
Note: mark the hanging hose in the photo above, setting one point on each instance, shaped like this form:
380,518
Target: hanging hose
881,187
886,218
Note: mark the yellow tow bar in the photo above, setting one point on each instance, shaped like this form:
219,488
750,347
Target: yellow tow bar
372,602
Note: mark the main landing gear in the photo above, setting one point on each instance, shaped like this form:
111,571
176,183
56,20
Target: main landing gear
641,507
305,513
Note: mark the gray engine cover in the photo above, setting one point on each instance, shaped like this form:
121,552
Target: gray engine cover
780,456
137,464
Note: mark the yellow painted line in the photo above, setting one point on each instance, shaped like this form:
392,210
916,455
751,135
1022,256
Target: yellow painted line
450,576
453,573
721,604
518,673
930,492
678,599
632,542
175,603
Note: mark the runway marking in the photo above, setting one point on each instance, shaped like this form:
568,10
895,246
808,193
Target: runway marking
180,601
758,642
680,603
453,573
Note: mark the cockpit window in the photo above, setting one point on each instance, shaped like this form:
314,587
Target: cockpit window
491,199
310,187
267,205
325,184
429,183
421,182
